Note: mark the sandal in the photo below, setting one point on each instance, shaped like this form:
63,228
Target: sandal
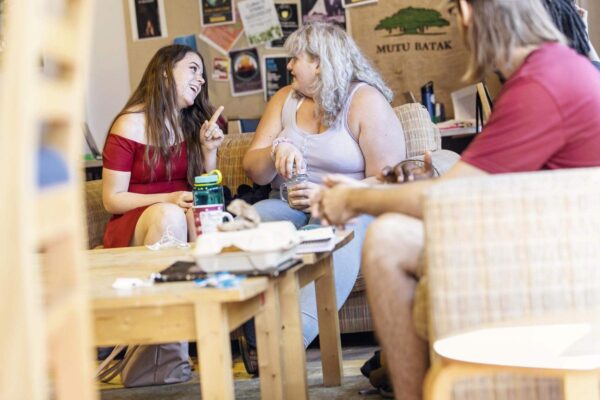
249,356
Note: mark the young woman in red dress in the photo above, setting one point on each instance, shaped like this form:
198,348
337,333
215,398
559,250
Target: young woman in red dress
156,146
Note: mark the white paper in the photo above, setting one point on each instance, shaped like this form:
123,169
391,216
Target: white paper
260,21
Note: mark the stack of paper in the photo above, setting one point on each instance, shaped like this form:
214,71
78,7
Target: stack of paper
463,102
316,240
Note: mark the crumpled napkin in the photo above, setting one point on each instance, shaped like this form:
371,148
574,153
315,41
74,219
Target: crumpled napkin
268,236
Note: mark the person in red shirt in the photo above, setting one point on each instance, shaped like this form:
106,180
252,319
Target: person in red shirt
155,147
547,116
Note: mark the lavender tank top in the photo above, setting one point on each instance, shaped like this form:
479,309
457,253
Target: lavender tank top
334,151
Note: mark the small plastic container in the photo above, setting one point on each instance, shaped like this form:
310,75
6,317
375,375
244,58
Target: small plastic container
208,201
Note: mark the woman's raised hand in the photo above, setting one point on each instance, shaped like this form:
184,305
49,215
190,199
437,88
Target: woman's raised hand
211,136
288,160
182,198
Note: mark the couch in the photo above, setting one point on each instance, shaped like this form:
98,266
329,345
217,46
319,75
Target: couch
420,135
511,247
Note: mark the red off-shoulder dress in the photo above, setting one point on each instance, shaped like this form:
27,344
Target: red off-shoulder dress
122,154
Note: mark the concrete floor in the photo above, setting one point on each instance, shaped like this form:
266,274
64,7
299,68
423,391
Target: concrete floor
247,388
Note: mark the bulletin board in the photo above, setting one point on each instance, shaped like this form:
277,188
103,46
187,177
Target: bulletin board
407,59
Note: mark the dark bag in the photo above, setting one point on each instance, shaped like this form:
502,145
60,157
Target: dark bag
149,365
376,371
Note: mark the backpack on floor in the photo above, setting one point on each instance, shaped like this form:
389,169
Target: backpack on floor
376,371
148,365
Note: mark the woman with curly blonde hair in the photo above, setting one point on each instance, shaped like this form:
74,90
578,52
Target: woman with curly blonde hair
335,117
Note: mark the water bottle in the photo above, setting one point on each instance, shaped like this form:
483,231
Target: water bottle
208,202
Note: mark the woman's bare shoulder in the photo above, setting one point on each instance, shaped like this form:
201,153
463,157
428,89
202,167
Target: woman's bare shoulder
281,95
131,125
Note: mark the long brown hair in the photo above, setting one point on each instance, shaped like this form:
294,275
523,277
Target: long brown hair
499,27
157,95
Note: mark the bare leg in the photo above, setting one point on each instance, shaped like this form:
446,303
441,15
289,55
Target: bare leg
390,259
156,220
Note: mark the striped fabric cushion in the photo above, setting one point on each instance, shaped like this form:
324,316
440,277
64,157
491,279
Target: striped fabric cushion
510,247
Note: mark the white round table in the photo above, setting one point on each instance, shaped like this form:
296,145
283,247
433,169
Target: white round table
568,351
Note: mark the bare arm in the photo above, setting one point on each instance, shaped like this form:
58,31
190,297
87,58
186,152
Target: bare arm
341,203
257,161
117,200
372,120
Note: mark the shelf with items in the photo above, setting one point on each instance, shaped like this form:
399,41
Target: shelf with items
42,237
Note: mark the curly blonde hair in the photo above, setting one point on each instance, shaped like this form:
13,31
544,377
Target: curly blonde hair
340,64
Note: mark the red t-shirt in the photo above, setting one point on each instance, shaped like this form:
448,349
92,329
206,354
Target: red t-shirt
547,116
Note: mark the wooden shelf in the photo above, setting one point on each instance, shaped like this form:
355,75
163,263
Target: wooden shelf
55,100
60,309
54,208
59,42
44,276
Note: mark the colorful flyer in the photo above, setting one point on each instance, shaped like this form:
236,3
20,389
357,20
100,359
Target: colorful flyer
289,19
220,69
216,12
147,19
245,72
353,3
276,74
324,10
189,40
222,38
260,20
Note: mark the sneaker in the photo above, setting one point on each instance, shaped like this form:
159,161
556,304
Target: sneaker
249,356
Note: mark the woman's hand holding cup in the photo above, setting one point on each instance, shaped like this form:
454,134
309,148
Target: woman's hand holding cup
289,160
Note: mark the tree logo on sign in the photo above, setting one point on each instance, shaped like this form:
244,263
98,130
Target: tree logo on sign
413,21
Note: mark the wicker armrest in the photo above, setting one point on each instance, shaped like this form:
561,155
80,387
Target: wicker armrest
97,216
512,246
229,159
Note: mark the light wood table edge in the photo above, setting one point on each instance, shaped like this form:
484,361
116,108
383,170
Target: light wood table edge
445,372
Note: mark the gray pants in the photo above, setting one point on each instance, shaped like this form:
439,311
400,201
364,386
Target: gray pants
346,261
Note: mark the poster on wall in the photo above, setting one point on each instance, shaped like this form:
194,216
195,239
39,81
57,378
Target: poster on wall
222,38
220,69
260,20
147,19
276,74
352,3
216,12
289,19
324,10
246,77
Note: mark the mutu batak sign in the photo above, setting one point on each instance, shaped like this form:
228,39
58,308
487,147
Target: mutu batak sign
413,21
412,42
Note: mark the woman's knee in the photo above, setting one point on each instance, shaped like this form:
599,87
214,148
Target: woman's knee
166,216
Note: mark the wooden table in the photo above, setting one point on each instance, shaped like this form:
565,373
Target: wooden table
181,311
318,268
570,351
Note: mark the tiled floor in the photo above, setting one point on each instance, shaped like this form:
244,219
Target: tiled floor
356,351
